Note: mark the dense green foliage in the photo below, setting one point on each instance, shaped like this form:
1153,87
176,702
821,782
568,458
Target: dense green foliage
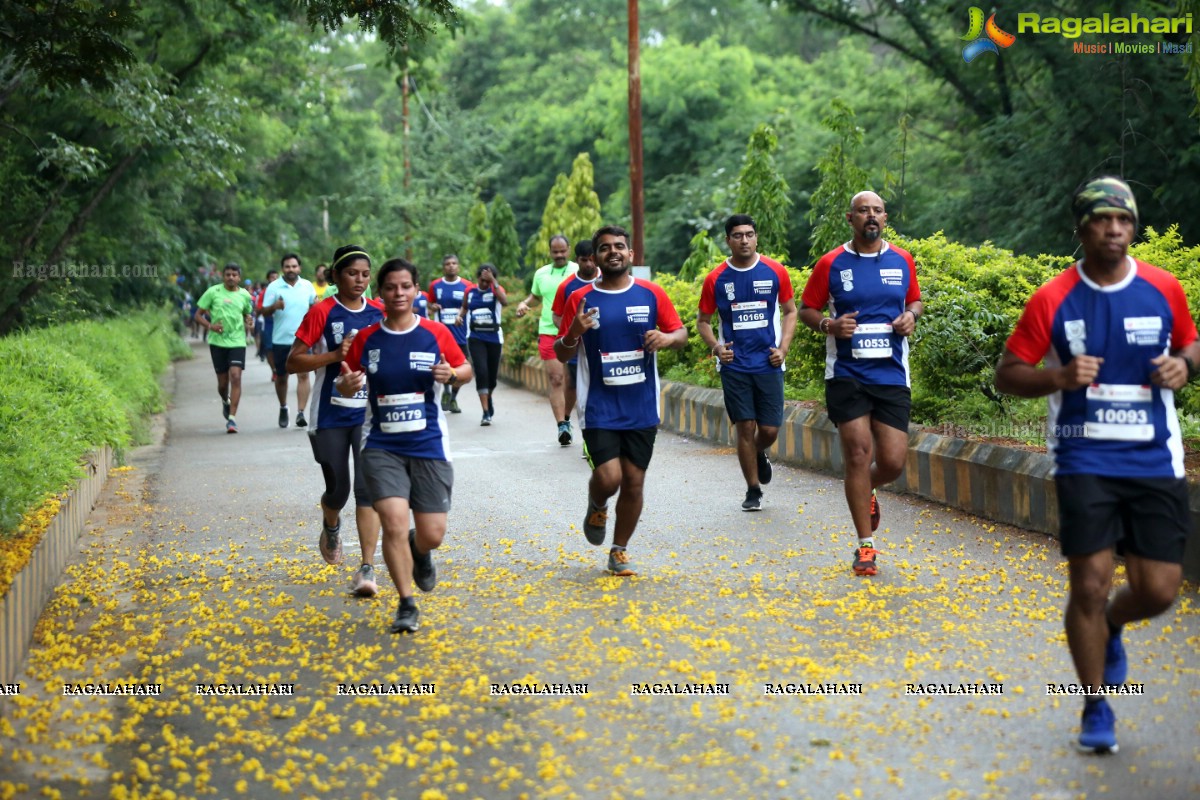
70,389
178,136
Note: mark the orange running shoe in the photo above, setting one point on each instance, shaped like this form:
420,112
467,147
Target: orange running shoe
864,561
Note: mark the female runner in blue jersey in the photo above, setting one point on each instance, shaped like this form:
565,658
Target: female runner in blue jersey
406,457
335,422
485,338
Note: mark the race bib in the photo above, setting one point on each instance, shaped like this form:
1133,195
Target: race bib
751,314
450,315
1119,412
623,367
872,340
402,413
483,320
358,401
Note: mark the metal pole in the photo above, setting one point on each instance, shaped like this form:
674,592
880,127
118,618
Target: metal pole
636,194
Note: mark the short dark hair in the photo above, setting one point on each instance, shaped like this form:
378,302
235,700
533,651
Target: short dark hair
286,256
449,256
270,272
486,267
584,248
233,265
558,236
397,265
609,230
739,219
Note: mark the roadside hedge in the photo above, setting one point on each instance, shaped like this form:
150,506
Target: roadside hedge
69,390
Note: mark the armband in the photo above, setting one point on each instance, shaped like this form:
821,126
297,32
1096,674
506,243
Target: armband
822,327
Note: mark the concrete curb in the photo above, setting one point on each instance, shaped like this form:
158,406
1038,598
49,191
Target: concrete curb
1004,484
34,584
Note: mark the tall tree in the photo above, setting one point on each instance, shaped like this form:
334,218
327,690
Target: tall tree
763,192
503,245
477,249
572,209
841,179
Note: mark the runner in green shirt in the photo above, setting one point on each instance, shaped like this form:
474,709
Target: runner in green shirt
225,311
545,283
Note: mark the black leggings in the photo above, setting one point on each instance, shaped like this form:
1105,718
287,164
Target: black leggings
331,449
485,358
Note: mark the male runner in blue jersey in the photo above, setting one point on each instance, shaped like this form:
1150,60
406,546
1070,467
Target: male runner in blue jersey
1116,339
617,325
754,299
870,287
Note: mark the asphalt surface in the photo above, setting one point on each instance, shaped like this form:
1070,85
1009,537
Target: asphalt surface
200,567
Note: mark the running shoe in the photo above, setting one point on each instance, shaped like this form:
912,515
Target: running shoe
1097,728
301,422
491,407
454,409
1116,666
225,407
424,572
231,427
619,564
486,420
564,433
363,584
765,470
408,617
595,523
445,401
283,417
330,543
864,561
874,512
753,501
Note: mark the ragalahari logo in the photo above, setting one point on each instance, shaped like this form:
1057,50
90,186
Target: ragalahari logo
978,43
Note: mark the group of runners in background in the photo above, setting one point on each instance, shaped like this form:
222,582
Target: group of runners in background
1113,335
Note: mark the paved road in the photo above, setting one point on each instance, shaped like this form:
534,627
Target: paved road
201,567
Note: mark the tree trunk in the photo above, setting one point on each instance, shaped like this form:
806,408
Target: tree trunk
12,313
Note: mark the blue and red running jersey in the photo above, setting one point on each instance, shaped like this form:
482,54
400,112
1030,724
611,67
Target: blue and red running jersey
1121,426
617,380
746,301
483,316
323,329
563,292
405,416
449,295
878,286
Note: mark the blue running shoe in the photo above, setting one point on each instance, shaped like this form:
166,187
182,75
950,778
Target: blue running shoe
1098,728
1116,666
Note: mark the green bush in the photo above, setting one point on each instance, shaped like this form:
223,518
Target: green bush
69,390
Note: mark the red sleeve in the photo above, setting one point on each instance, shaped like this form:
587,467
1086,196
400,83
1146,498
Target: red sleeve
353,358
708,298
312,327
1183,327
572,308
446,344
1030,340
668,317
429,295
786,291
560,299
376,302
914,288
258,300
816,291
